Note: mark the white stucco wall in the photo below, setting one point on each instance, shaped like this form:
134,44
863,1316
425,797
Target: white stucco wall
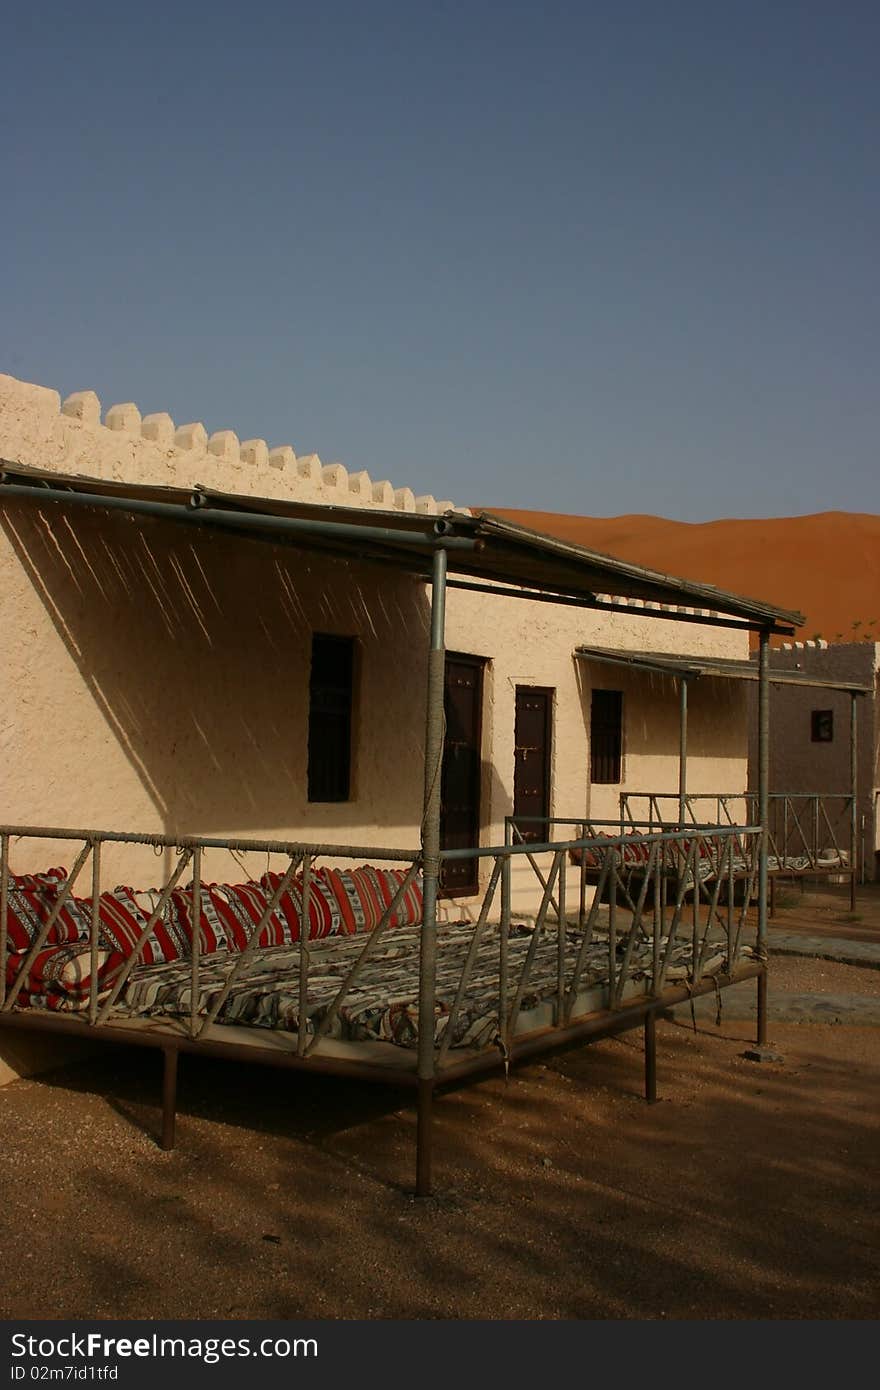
156,680
39,430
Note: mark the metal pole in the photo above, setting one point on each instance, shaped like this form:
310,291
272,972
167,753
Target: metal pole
94,932
503,952
612,927
4,910
200,512
431,870
561,940
196,940
682,748
302,1025
853,789
651,1057
169,1097
682,766
763,819
545,594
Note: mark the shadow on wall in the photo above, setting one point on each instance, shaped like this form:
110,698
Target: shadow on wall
195,649
717,711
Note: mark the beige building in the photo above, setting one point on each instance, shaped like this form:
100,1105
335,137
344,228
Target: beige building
191,679
811,751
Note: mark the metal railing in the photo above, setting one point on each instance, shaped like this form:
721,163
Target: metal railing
658,895
808,833
188,852
664,907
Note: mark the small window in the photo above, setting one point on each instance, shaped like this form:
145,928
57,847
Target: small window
822,726
330,701
606,735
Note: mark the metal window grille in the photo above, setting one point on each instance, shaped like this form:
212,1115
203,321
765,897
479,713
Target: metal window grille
606,735
330,706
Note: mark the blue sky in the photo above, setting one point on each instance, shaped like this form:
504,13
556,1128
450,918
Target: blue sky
595,258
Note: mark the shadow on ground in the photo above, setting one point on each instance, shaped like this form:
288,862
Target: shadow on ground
747,1192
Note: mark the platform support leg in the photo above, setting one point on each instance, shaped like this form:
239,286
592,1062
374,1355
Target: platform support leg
651,1058
424,1138
169,1097
762,1009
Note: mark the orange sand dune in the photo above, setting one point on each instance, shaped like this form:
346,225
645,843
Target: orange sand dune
826,566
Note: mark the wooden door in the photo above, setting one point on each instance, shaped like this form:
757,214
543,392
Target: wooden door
462,770
531,771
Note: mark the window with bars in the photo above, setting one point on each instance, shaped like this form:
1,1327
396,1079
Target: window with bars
330,708
606,735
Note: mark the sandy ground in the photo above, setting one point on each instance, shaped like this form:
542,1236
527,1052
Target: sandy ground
823,909
749,1191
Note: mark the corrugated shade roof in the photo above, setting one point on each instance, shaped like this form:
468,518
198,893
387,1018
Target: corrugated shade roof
691,667
504,553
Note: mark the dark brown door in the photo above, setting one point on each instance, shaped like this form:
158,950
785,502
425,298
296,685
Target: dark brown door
460,785
531,771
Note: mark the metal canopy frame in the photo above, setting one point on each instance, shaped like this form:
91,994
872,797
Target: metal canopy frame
727,668
483,547
486,549
685,669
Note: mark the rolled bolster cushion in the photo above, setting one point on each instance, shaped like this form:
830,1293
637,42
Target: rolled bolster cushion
60,977
121,920
590,858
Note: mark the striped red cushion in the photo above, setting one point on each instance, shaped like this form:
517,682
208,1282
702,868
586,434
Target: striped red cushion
360,904
217,922
363,895
123,919
53,879
60,977
30,899
409,910
245,905
325,914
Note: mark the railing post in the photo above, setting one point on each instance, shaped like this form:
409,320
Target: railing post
196,940
94,931
853,790
612,927
763,816
169,1096
4,912
503,946
302,1025
430,869
659,907
651,1057
682,747
561,941
582,878
813,850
